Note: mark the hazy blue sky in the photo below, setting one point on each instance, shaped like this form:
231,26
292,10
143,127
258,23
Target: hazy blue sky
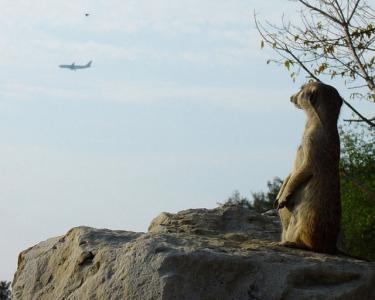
178,110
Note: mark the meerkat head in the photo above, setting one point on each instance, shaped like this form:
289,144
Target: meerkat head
318,99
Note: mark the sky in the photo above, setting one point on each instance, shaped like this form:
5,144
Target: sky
178,110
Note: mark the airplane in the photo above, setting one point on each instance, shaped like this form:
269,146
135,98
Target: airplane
75,67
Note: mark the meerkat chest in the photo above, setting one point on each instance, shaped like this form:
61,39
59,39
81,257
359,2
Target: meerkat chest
299,158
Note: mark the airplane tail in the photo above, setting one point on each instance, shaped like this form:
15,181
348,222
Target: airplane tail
89,64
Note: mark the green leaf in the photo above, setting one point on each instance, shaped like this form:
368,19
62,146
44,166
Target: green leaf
287,64
262,44
321,68
370,30
329,49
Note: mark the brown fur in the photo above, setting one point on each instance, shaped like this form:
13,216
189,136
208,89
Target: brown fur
309,199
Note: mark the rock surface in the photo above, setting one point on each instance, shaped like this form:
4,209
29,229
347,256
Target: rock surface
197,254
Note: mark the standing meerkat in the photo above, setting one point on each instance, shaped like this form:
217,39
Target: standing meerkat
309,200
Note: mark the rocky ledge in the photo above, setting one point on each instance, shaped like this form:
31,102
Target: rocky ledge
197,254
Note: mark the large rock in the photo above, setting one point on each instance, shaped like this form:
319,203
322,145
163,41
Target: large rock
223,253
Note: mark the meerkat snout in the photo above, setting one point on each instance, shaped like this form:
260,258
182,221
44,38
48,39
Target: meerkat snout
294,100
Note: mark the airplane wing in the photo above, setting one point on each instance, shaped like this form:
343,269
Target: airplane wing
74,67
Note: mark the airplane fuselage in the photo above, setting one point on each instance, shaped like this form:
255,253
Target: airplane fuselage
75,67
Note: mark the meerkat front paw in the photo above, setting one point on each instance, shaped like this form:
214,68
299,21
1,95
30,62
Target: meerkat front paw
282,201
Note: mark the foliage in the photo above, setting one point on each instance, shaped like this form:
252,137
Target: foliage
237,200
261,202
334,39
4,290
265,201
358,191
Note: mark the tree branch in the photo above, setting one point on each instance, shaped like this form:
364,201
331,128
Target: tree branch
320,44
353,11
349,40
357,120
359,114
320,11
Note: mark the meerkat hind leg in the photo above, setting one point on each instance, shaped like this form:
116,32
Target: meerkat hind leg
295,236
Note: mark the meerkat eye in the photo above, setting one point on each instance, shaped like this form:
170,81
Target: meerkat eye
304,95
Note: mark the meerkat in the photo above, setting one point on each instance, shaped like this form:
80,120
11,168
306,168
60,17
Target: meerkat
309,200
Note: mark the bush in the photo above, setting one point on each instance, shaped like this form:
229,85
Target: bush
237,200
357,168
265,201
4,290
261,201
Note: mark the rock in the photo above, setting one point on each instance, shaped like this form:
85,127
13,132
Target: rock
218,221
197,254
